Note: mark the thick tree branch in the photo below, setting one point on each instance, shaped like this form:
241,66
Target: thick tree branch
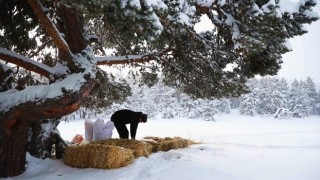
47,109
72,27
49,27
205,8
49,72
26,63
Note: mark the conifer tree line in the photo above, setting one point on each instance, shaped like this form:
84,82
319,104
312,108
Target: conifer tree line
273,96
268,97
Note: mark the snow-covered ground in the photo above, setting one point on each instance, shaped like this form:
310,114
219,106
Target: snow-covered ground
233,147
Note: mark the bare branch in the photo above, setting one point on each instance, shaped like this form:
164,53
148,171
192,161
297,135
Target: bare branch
118,42
26,63
39,49
113,60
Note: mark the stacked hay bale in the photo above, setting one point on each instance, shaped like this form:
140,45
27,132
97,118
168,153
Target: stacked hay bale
97,156
77,156
116,153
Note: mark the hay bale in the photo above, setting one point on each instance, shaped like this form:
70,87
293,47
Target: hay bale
172,143
108,156
154,141
167,143
76,156
154,138
139,148
97,156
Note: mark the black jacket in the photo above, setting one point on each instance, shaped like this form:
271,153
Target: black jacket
126,116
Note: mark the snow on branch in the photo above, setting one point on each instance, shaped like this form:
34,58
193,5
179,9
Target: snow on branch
204,3
26,63
41,93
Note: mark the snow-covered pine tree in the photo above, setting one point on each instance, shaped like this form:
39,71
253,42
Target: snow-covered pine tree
293,95
267,95
317,103
311,92
248,103
296,99
280,99
279,95
264,104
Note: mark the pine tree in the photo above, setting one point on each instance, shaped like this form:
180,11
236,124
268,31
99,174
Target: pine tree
311,93
279,94
152,36
299,100
293,95
317,104
266,97
248,103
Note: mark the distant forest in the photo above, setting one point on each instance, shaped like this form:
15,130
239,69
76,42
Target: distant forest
268,97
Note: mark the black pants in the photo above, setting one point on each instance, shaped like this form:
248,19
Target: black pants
122,130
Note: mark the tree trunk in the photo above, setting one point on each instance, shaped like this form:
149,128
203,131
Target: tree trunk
44,139
15,124
13,149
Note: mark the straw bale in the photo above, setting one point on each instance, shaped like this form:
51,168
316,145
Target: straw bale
167,143
108,156
139,148
154,141
154,138
97,156
172,143
76,156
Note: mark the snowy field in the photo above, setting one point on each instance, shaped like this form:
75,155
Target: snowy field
234,147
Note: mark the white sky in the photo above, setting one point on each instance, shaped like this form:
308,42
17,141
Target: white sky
304,59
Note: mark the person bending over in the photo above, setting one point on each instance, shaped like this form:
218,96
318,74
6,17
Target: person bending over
122,117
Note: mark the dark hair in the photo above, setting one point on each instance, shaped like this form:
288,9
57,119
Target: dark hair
144,118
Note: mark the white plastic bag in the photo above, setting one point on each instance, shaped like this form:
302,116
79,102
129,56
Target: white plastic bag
107,130
101,130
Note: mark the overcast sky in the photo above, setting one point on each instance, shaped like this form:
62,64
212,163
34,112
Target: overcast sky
304,59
